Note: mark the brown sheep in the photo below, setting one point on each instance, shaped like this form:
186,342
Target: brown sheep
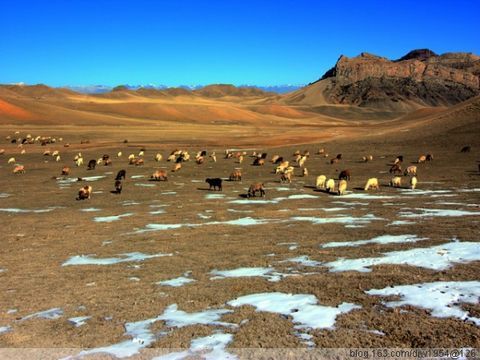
65,171
421,159
139,162
286,178
19,169
236,175
396,168
84,193
254,188
411,170
344,175
200,160
177,167
159,175
258,162
334,161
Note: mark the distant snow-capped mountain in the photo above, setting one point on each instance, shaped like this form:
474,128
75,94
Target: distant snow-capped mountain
99,89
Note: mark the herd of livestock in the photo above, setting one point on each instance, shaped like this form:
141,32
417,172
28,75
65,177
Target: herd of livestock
283,167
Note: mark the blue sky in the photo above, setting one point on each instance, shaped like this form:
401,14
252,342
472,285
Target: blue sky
84,42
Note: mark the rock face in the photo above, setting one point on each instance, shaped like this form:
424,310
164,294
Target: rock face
420,78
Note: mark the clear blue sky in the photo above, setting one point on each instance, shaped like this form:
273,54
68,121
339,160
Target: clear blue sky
264,42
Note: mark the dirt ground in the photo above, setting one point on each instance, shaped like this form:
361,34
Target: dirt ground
36,244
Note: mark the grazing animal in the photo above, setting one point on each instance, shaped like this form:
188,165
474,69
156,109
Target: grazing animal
46,153
121,175
411,170
139,162
302,160
330,185
240,159
65,171
118,186
177,167
339,156
200,160
254,188
258,162
141,153
79,162
413,182
399,159
342,187
466,149
263,156
171,157
214,183
279,160
2,151
57,159
305,172
119,154
236,175
12,160
91,164
334,161
321,151
84,192
296,153
371,183
429,157
367,158
107,162
396,168
320,181
19,169
159,175
158,157
344,175
286,178
275,158
421,159
214,157
396,181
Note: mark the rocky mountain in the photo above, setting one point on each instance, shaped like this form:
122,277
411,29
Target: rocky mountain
420,78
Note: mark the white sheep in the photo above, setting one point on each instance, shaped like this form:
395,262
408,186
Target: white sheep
158,157
413,182
330,185
396,181
119,154
320,182
12,160
371,183
342,187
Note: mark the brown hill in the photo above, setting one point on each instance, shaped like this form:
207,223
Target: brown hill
420,78
222,90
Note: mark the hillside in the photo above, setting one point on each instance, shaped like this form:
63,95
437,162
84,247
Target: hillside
419,79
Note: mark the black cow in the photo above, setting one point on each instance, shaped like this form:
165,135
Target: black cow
91,164
215,183
121,175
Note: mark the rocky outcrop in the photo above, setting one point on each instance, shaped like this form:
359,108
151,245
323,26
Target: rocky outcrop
420,78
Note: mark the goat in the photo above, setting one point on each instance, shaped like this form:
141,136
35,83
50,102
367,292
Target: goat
121,175
84,193
236,175
344,175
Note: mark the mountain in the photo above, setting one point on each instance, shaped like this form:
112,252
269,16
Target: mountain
222,90
421,78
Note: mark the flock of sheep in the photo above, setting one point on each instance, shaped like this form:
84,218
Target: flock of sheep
283,167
